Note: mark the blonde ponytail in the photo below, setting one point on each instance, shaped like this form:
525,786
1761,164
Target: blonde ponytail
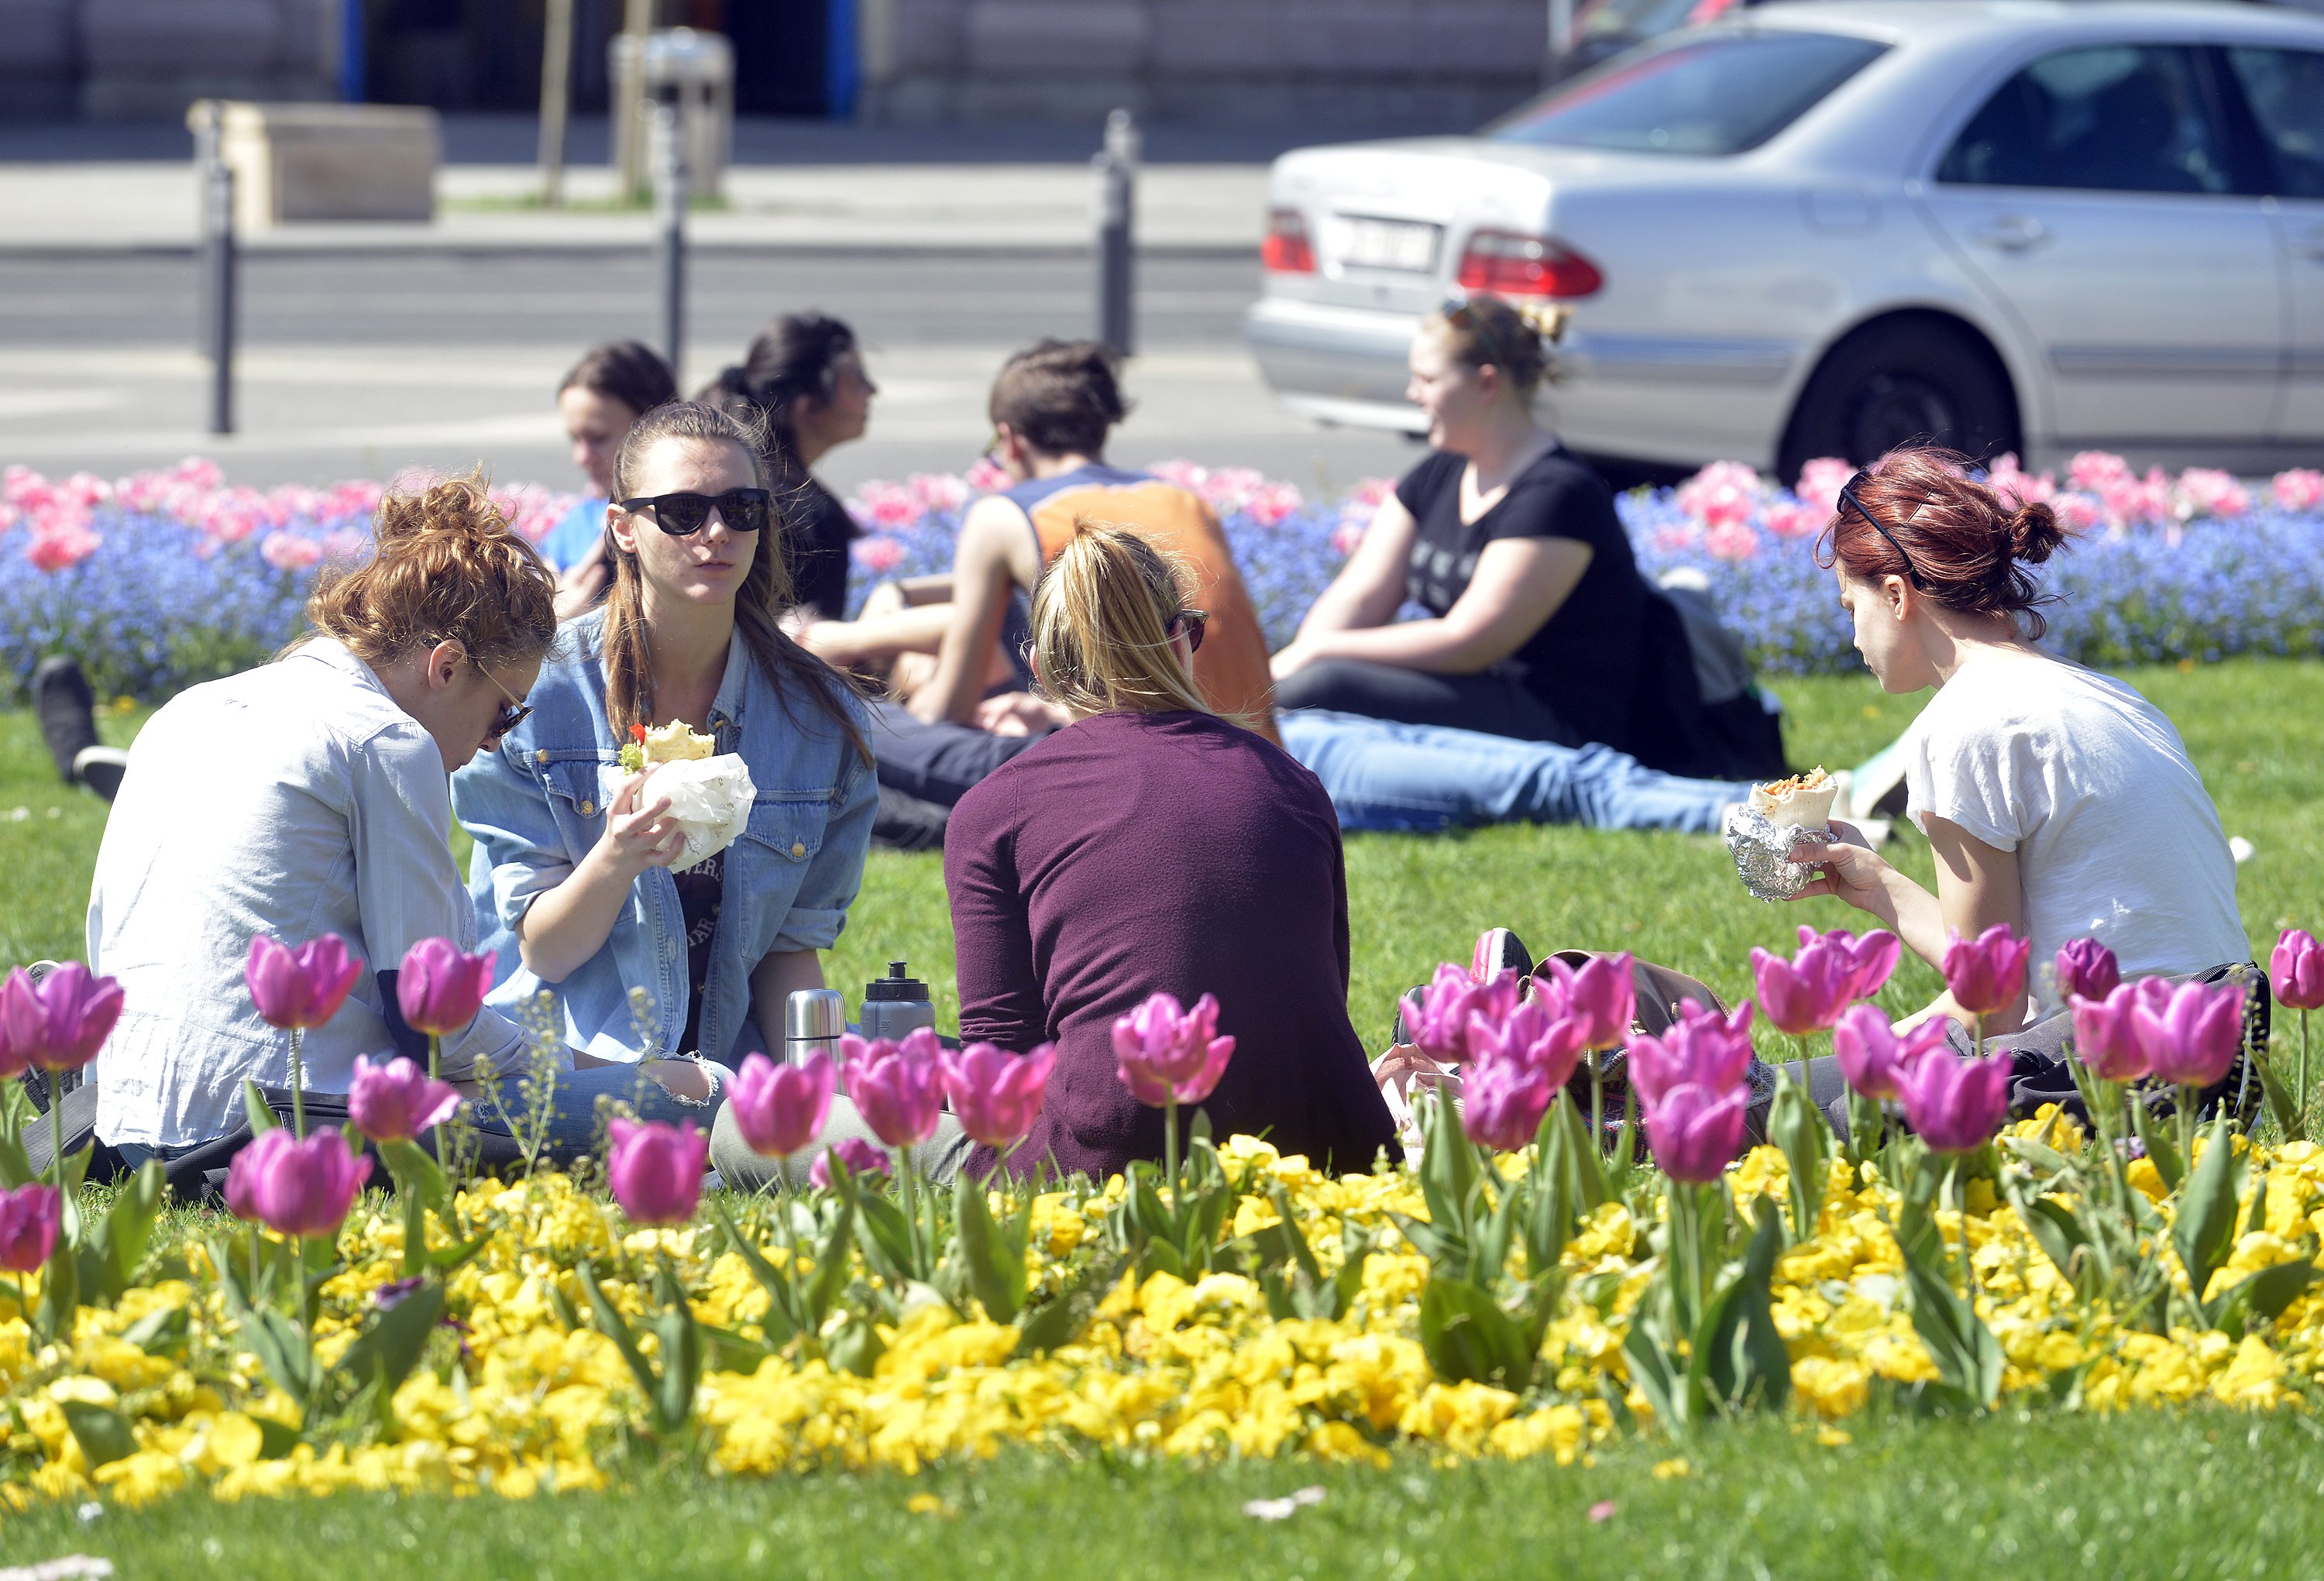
1101,618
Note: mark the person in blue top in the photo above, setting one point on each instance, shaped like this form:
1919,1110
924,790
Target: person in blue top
571,878
601,399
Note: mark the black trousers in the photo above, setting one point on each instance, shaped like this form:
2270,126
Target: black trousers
1494,704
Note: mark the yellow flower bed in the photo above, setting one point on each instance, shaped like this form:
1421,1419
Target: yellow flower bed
509,1399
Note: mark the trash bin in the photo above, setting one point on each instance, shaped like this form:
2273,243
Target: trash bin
691,68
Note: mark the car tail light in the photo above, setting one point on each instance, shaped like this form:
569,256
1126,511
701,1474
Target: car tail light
1286,249
1511,265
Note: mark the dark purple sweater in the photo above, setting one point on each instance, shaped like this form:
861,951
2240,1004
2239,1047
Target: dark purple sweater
1135,853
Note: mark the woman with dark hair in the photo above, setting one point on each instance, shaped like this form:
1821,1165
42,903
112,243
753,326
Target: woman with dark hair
2058,801
571,879
607,391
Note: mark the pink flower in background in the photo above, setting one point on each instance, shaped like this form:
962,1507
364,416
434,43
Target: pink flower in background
394,1102
1164,1053
304,987
1502,1103
2091,471
780,1108
345,545
63,544
2296,971
1955,1105
1602,996
2190,1033
297,1188
2079,513
285,552
1372,491
2105,1037
1695,1131
30,1217
1530,1036
1820,483
1272,502
1986,973
1347,535
1794,521
1732,540
1701,1047
897,1086
1873,1059
655,1170
2300,489
440,987
1439,1025
997,1094
1673,537
1807,993
2086,968
860,1157
1724,493
879,553
57,1024
2204,491
2017,487
986,475
938,490
879,505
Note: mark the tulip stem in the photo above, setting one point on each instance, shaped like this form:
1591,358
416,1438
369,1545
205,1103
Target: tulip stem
2300,1107
911,1208
56,1130
1170,1146
298,1091
436,1131
2187,1096
1958,1190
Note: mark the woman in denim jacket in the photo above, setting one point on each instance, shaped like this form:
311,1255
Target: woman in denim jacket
574,889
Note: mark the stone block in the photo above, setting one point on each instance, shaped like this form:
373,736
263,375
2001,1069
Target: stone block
36,37
1039,37
331,162
180,38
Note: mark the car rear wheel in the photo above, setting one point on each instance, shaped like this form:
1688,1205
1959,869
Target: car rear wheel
1901,383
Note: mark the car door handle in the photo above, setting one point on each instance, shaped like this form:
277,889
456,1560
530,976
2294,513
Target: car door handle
2014,233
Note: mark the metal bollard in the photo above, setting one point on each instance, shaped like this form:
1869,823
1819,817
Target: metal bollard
215,291
670,243
1116,195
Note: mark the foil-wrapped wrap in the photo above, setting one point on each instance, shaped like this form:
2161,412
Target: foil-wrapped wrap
1763,852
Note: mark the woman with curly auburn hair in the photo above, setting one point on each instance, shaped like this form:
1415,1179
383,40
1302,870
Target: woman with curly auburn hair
310,796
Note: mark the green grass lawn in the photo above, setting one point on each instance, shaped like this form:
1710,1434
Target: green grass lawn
2194,1492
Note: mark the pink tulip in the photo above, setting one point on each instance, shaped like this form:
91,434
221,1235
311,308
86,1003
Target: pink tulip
296,1187
2191,1034
1166,1054
1873,1059
1871,957
1701,1048
656,1169
2105,1038
1601,996
780,1108
1988,973
396,1101
302,988
1529,1036
2088,969
1695,1131
1954,1104
996,1094
441,988
860,1157
2296,971
58,1023
1502,1102
1439,1027
29,1216
898,1087
1806,994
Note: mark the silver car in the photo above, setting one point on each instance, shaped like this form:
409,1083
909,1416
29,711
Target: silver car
1828,228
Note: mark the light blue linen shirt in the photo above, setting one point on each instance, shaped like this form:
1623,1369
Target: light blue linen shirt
537,805
295,799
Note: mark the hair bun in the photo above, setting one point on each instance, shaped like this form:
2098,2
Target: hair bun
2035,533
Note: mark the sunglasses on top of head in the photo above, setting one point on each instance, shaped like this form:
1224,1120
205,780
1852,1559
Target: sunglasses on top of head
682,514
1848,498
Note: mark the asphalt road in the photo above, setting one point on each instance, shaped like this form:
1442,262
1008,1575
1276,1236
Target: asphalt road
362,365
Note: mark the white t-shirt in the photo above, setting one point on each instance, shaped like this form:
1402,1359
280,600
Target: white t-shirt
2116,837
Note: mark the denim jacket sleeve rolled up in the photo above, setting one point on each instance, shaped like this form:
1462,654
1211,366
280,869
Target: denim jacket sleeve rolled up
535,807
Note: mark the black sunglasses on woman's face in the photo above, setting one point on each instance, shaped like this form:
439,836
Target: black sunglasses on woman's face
680,515
1193,622
508,718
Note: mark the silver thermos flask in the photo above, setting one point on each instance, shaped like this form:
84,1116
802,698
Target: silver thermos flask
813,1020
896,1004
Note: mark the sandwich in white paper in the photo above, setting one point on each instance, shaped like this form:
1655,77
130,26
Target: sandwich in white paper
709,792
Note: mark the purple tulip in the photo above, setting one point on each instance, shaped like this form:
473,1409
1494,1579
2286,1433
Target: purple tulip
860,1157
996,1094
780,1108
1502,1102
1439,1027
2105,1038
1988,973
1701,1048
1529,1035
1805,994
1695,1131
898,1087
656,1169
1871,957
296,1187
29,1216
1873,1059
2086,969
440,987
2296,971
1601,996
58,1023
1954,1104
302,988
396,1101
1166,1054
2190,1033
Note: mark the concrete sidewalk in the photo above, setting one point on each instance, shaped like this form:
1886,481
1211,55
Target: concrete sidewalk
69,188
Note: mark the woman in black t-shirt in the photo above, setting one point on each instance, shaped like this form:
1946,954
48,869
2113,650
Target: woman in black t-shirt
1542,627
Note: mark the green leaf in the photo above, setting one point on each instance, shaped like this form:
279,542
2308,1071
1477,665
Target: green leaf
1747,1362
1061,1319
855,1346
996,1266
615,1328
2061,1235
888,1235
112,1250
103,1433
2204,1227
1587,1164
1795,1126
412,1170
681,1353
726,1351
1967,1356
1659,1380
2156,1137
444,1259
15,1165
159,1333
781,1319
257,1110
276,1439
1448,1167
2263,1294
384,1354
2281,1101
1468,1337
830,1275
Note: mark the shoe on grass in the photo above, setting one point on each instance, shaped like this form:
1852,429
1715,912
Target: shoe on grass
100,768
67,709
1498,951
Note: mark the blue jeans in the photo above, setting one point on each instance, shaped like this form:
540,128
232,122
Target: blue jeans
1381,775
573,1118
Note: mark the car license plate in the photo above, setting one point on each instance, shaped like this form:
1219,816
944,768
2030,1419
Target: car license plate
1365,242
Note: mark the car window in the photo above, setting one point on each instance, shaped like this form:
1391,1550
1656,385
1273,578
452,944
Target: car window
2285,90
1719,95
2113,118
